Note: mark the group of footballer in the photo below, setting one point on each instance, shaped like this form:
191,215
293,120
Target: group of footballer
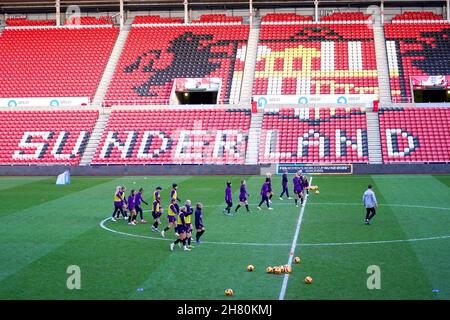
299,181
180,218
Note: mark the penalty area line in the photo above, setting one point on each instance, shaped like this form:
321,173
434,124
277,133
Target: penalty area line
293,246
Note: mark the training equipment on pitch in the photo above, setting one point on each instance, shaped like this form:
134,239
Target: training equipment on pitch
269,270
317,192
250,268
308,280
229,292
287,269
297,260
277,270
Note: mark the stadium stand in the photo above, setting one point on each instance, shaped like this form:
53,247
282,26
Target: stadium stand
154,56
179,136
45,137
285,17
24,22
423,15
155,19
316,59
415,134
320,135
90,21
416,49
346,16
218,18
54,62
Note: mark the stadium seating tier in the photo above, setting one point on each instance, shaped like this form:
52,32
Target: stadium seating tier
316,59
308,135
415,134
45,137
154,56
54,62
415,49
179,136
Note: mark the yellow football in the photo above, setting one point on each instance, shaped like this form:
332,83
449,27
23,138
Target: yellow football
317,192
269,270
308,280
287,269
250,268
229,292
277,270
297,260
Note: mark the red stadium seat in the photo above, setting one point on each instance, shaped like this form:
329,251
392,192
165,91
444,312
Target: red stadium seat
54,62
422,15
415,134
314,135
45,137
207,136
346,16
22,22
154,56
315,59
415,49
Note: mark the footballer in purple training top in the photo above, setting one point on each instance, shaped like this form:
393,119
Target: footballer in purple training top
228,198
199,222
131,207
264,195
243,194
137,204
284,185
298,189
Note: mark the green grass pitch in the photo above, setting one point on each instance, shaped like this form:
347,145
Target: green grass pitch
44,228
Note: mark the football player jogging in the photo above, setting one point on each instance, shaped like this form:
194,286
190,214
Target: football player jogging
265,195
118,204
131,206
181,230
137,204
199,222
269,187
157,194
243,194
370,203
187,220
172,217
228,198
305,183
156,214
124,203
174,195
298,189
284,185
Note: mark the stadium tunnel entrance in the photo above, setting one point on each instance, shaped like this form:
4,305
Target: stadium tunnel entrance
197,97
431,88
431,95
196,91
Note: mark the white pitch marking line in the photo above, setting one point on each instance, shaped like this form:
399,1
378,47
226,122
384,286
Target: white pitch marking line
294,244
102,225
256,244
